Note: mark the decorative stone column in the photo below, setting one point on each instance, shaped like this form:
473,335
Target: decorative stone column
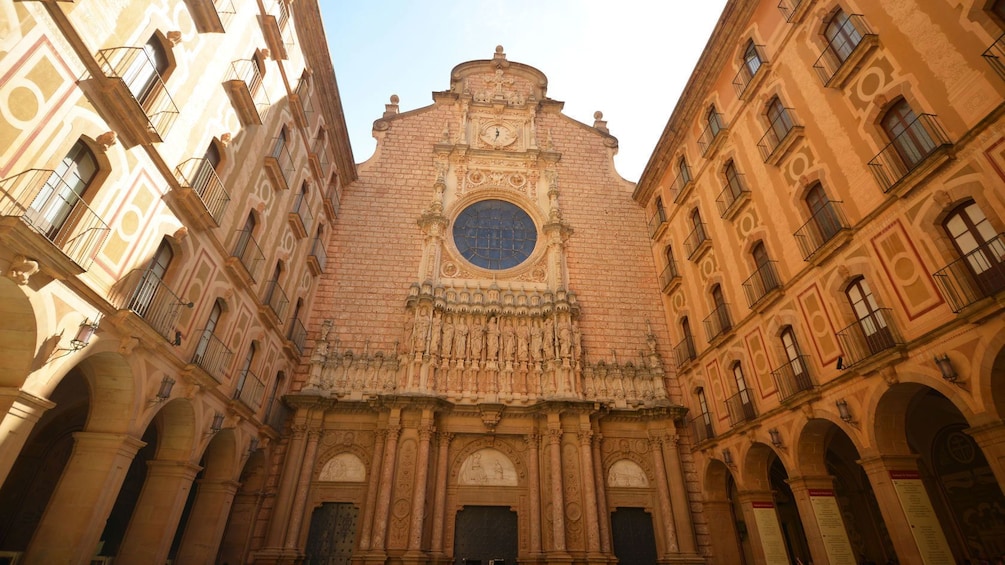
990,437
764,544
557,496
157,512
440,504
75,517
589,494
665,504
200,542
386,484
302,490
825,523
419,495
600,480
678,494
287,485
371,489
534,492
21,411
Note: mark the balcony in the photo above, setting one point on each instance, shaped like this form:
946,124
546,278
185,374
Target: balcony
782,134
843,55
203,198
250,390
684,352
701,427
246,91
718,323
740,408
761,284
247,258
734,194
319,160
670,278
746,80
211,355
275,302
977,275
681,186
297,336
826,230
277,416
136,98
279,165
792,378
657,223
871,335
333,200
995,55
317,258
713,134
43,219
697,243
301,219
276,28
794,10
211,16
153,301
911,156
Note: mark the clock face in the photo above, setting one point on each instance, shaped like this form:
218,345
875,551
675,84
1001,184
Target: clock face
498,135
494,234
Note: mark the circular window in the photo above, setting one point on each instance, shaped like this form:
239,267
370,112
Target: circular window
494,234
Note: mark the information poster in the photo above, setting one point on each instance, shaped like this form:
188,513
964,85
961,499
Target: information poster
770,533
925,527
831,525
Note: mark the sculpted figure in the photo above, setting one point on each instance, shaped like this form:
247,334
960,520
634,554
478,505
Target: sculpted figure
419,335
577,342
477,336
461,339
434,335
536,338
523,335
493,339
509,342
448,338
564,339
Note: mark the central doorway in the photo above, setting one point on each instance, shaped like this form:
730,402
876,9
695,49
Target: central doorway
634,537
332,534
483,534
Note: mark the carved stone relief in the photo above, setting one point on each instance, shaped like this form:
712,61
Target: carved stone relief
344,467
488,467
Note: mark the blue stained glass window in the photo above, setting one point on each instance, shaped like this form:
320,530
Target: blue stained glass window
494,234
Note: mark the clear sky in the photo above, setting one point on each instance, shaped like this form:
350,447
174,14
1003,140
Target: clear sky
629,59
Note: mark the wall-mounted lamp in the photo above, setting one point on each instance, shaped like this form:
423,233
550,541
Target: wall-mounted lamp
945,365
253,445
164,392
776,437
843,411
84,334
217,424
727,457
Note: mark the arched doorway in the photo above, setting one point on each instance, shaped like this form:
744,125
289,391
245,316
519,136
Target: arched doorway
484,533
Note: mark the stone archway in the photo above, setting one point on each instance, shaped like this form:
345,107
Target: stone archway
768,503
200,529
244,510
724,515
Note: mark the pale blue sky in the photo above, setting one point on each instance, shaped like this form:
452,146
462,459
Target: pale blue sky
629,58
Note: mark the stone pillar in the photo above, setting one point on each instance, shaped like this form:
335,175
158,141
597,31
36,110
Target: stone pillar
371,488
601,481
803,490
878,468
21,412
534,492
747,500
663,492
990,438
440,503
287,484
557,496
302,490
419,494
383,506
678,494
722,530
75,517
155,518
589,493
200,542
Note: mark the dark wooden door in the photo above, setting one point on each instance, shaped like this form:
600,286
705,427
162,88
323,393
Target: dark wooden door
634,537
485,533
332,535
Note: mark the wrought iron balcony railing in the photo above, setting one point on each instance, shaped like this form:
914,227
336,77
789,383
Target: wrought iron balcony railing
301,218
747,72
277,416
298,335
684,352
975,276
713,129
906,152
870,335
741,408
669,275
212,355
200,176
734,193
275,298
777,134
701,427
139,74
693,242
43,201
318,257
154,301
211,16
718,322
825,223
333,200
853,35
681,183
249,253
249,390
657,221
789,8
995,55
761,283
247,91
279,164
793,377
